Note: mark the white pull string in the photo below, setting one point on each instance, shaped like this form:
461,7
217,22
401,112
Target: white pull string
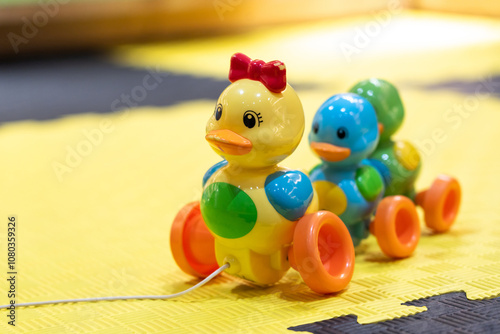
98,299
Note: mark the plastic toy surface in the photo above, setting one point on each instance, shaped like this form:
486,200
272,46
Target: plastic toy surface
344,133
399,162
255,215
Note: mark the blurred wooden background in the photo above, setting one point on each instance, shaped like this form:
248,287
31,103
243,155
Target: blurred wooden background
31,26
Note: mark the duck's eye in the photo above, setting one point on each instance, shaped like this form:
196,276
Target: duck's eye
250,118
218,112
315,128
342,132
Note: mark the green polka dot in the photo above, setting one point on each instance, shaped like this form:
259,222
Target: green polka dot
369,182
227,210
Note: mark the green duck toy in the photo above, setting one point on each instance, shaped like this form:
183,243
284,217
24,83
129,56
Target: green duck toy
399,162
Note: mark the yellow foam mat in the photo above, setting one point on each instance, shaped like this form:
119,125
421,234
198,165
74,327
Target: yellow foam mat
100,226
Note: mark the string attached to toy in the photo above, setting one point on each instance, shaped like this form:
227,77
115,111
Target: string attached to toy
98,299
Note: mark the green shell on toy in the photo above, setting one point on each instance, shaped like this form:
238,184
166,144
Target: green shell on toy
402,178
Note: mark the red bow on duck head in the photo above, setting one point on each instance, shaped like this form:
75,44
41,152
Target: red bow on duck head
271,74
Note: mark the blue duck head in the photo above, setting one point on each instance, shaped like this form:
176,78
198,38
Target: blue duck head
344,130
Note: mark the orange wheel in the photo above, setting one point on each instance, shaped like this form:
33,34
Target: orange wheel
441,203
322,252
191,242
396,226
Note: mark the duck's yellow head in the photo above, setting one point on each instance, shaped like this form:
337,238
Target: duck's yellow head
253,126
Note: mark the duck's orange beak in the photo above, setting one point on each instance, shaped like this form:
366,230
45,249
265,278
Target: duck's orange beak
229,142
380,128
330,152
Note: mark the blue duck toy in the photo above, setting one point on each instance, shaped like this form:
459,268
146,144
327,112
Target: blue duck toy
345,131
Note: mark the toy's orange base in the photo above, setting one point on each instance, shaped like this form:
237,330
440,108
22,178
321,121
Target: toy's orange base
396,226
441,203
191,242
322,252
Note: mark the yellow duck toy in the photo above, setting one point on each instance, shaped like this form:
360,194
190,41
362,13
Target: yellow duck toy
253,128
253,208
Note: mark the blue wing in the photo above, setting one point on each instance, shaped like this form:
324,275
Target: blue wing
289,192
212,170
